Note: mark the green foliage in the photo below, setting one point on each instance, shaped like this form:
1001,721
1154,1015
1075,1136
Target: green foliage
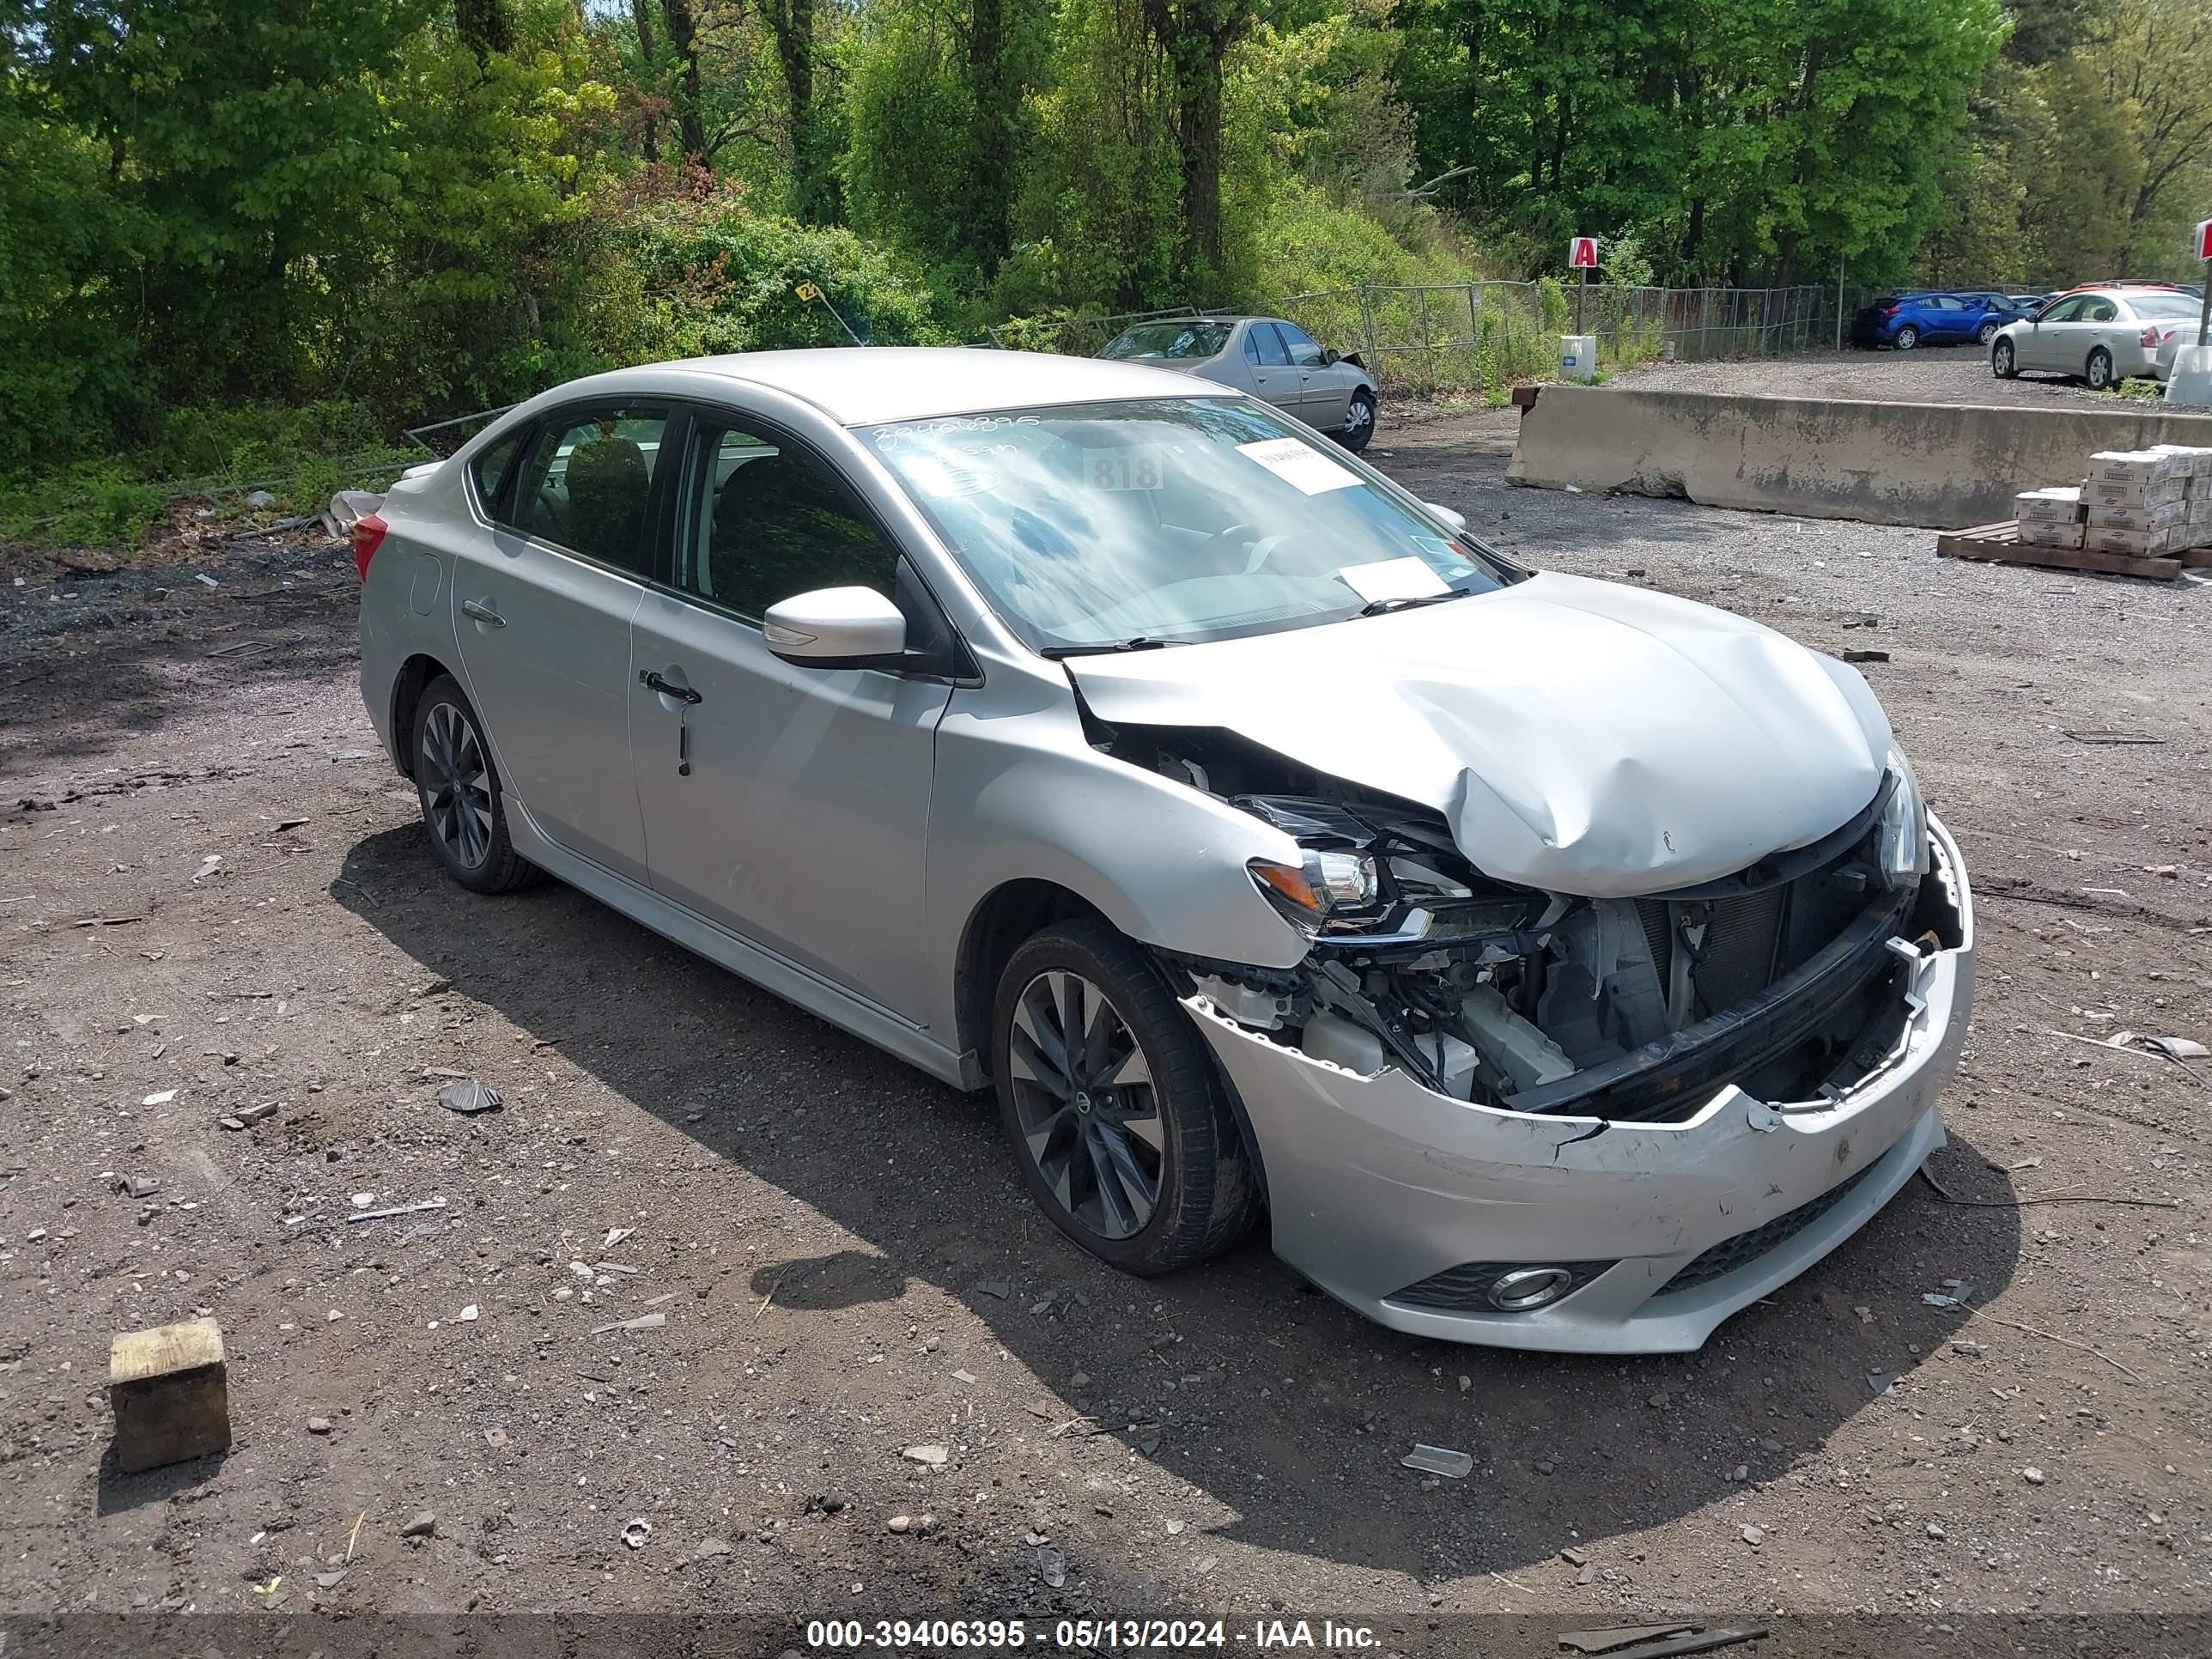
690,276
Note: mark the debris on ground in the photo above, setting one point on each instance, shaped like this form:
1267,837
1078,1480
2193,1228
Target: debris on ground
470,1098
397,1209
1051,1567
932,1456
424,1525
170,1390
651,1321
1438,1459
636,1533
138,1186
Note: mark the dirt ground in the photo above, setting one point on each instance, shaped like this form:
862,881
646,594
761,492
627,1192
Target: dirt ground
214,894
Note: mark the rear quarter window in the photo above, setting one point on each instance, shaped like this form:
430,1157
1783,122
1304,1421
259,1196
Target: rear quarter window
490,467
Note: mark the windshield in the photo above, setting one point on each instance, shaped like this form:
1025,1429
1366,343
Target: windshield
1178,337
2165,305
1169,520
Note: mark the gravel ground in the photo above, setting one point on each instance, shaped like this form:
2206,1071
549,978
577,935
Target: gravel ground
1933,375
215,886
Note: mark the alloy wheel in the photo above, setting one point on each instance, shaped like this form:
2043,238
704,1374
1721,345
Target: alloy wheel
457,793
2100,371
2000,359
1088,1110
1359,417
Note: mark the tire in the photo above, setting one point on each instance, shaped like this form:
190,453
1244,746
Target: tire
2004,361
2098,371
1172,1127
1907,337
1986,332
463,812
1359,422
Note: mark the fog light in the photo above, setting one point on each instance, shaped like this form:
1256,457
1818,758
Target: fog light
1529,1287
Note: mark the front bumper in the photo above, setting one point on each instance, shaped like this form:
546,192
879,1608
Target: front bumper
1376,1184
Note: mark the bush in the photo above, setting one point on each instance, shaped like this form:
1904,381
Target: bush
697,274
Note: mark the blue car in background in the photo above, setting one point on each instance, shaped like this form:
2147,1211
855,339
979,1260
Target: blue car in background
1906,321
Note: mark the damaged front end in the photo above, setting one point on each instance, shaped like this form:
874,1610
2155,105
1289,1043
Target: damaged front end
1781,979
1621,1065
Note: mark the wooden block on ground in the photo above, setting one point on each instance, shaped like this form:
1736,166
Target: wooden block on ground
171,1390
1524,396
2000,544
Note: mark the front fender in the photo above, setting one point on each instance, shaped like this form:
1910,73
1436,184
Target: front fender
1020,794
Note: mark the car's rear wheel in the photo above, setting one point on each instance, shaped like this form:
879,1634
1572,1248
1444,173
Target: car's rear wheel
2098,371
2003,364
1359,422
1112,1103
1987,332
1907,337
458,788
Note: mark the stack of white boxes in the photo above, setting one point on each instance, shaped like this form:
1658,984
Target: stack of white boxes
2147,503
2053,517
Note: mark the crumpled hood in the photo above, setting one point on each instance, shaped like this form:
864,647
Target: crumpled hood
1580,736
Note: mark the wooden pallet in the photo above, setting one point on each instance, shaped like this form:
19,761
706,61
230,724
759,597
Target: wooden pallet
2000,544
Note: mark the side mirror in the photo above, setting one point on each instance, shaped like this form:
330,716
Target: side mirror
1457,520
836,627
1329,358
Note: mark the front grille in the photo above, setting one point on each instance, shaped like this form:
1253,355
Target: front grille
1730,1254
1467,1287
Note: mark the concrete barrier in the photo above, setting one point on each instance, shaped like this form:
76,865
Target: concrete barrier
1942,466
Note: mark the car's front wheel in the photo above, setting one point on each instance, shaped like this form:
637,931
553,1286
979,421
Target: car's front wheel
1359,422
458,788
2098,371
2003,363
1908,339
1112,1103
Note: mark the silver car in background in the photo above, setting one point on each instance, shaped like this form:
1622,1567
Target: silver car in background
1275,360
2102,336
1552,964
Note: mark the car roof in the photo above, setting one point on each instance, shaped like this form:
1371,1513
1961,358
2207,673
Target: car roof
865,386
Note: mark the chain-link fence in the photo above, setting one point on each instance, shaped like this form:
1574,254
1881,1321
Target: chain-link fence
1486,336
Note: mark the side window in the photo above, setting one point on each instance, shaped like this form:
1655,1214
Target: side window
587,485
765,520
1252,345
2099,311
1303,352
490,465
2065,311
1271,346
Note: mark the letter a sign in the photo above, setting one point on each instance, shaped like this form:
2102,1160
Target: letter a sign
1581,253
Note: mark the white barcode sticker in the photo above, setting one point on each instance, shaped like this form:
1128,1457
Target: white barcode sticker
1298,466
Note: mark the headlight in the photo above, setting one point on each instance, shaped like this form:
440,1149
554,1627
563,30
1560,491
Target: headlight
1904,841
1306,892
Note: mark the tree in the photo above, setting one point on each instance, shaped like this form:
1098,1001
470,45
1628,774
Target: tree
2158,67
1193,37
813,191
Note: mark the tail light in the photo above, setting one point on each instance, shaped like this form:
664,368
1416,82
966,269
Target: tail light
1893,311
2148,338
367,536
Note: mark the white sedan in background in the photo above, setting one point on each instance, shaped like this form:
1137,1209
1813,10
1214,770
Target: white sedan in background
2102,336
1275,360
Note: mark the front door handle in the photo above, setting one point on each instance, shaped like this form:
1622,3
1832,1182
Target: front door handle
481,611
682,694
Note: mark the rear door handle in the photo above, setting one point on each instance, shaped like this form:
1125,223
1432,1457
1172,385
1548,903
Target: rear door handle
682,694
481,611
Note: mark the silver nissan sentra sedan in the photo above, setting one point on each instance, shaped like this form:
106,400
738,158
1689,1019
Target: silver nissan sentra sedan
1552,964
